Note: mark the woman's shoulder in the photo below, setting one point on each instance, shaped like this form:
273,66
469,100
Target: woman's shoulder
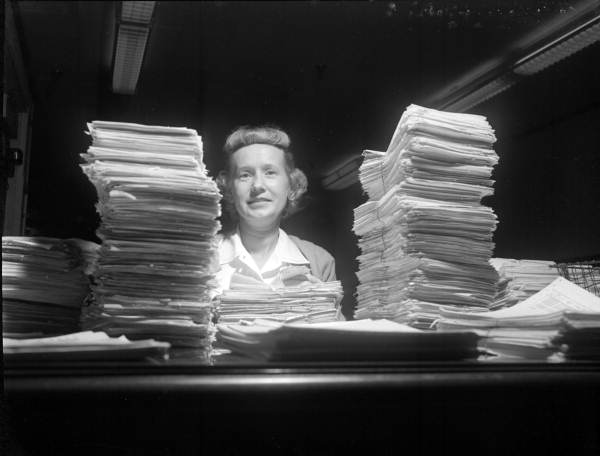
322,263
309,247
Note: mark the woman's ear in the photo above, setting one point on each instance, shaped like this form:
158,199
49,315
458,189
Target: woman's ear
298,184
222,181
222,178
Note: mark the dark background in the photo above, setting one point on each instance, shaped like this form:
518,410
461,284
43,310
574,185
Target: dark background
337,76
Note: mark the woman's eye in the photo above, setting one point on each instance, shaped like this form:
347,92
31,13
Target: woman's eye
271,172
244,176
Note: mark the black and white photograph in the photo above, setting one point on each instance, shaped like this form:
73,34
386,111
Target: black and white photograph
300,227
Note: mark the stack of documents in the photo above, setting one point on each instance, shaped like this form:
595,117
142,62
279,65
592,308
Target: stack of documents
81,346
308,302
44,284
579,338
527,329
158,208
358,340
425,237
520,279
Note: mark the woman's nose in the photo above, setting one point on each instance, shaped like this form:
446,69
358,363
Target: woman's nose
257,185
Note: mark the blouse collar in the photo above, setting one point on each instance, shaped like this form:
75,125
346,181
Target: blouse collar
286,251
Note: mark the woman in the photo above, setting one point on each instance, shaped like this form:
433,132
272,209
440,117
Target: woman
260,187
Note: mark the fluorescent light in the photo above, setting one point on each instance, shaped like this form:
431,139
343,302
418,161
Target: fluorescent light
139,12
343,175
559,49
132,37
343,181
539,49
478,96
129,55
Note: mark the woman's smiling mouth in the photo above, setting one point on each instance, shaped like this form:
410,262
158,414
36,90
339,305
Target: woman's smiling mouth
259,200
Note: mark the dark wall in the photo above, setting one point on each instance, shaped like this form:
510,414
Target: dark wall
548,191
548,178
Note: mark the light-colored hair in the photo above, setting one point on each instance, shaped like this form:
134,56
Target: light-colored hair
263,134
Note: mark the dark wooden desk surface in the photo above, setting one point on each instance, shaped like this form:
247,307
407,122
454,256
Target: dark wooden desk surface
303,409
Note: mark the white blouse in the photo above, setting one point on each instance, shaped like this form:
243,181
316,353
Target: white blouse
239,270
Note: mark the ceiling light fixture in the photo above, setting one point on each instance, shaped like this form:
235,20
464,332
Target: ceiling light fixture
485,92
342,175
537,51
132,37
138,12
559,49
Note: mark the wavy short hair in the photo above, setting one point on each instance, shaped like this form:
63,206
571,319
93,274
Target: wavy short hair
273,136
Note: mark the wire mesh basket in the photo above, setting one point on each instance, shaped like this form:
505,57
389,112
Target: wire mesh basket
586,274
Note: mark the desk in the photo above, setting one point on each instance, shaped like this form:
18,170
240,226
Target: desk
305,409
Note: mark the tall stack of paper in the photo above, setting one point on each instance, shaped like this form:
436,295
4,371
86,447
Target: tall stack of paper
425,237
158,208
520,279
527,329
44,284
308,302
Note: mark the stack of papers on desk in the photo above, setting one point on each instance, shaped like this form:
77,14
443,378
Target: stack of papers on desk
579,337
158,208
44,284
359,340
424,236
307,302
81,346
527,329
520,279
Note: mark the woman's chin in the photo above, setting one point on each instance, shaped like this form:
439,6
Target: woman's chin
260,217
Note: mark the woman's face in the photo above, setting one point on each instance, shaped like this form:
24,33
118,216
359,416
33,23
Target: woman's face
260,184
